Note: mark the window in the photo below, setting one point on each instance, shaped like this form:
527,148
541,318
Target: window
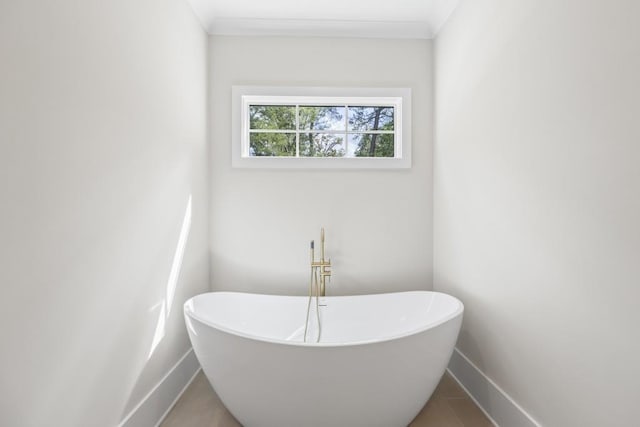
321,127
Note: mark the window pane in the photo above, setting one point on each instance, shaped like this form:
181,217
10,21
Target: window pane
272,144
321,145
371,145
370,118
272,117
322,118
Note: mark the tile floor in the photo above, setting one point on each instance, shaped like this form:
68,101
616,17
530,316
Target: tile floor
449,406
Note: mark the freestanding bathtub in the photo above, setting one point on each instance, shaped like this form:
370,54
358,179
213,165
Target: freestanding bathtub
378,360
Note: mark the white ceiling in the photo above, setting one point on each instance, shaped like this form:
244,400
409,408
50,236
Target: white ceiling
340,18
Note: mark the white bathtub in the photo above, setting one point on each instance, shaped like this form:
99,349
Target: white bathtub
377,363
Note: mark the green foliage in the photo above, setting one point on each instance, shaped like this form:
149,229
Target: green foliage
376,145
373,118
370,118
313,122
321,118
321,145
282,117
273,144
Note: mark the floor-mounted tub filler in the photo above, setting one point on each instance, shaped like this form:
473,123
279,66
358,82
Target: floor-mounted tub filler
377,363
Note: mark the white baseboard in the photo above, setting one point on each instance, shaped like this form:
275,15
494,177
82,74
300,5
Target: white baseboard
155,406
501,409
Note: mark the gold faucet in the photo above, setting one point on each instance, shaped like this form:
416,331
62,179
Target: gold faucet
321,265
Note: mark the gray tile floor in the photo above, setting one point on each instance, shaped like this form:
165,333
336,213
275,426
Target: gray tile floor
449,406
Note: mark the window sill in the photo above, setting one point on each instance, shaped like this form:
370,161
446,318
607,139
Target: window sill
320,163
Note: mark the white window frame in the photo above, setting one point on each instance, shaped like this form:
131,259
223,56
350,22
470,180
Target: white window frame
244,96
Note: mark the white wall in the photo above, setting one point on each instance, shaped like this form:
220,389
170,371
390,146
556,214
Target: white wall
537,201
102,142
378,223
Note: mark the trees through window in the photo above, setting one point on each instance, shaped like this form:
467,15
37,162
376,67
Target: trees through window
306,130
289,127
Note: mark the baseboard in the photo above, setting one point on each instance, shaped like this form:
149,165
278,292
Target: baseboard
501,409
155,406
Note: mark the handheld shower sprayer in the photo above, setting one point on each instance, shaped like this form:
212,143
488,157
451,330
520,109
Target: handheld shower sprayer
317,282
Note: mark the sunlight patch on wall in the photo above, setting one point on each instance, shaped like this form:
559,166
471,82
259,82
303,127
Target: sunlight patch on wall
177,258
172,282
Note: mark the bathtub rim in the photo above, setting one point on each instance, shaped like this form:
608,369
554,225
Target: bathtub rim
191,313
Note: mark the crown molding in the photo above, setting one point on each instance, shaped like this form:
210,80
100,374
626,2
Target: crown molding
320,28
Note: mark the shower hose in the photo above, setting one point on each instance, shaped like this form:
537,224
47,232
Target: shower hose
313,286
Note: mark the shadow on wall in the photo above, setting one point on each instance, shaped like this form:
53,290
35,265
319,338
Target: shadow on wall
471,344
